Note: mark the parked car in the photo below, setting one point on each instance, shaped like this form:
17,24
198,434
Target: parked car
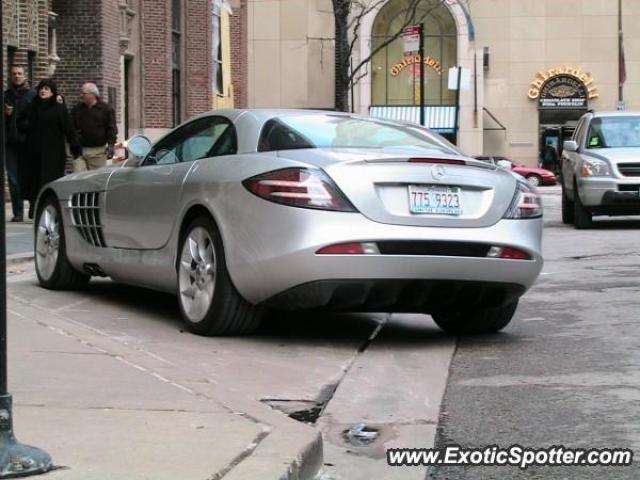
239,211
601,168
536,176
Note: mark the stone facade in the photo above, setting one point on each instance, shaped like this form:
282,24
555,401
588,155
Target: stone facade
26,31
290,58
125,47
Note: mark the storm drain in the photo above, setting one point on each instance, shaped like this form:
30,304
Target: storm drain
301,410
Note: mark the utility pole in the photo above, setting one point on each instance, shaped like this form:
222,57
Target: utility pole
421,48
16,459
621,64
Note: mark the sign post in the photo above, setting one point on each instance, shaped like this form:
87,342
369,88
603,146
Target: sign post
414,41
16,459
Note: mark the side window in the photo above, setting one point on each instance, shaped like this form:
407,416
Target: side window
578,134
213,138
277,136
207,137
166,152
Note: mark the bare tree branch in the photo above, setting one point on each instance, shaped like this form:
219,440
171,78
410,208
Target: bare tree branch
410,18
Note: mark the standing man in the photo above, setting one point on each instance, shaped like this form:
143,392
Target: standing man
95,122
16,102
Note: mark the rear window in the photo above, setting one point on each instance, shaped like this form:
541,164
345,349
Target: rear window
341,131
614,132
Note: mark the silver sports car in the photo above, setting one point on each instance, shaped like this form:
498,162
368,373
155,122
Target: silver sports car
240,211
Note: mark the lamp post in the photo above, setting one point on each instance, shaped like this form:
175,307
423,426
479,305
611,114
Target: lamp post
16,459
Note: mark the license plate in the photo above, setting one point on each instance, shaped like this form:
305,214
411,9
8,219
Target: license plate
434,199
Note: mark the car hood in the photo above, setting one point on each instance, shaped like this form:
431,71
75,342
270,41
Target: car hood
615,155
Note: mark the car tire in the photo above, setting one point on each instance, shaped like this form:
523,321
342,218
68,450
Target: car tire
53,269
475,322
534,180
582,217
209,302
567,208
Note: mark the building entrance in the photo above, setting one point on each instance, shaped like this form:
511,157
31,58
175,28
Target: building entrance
562,100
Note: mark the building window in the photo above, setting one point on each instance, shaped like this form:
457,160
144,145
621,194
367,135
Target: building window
31,61
11,60
216,49
176,21
397,82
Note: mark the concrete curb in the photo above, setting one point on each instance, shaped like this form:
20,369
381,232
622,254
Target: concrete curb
19,258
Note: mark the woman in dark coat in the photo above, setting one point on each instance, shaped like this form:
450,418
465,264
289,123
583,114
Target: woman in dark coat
48,126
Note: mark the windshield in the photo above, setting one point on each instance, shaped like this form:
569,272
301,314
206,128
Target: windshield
614,132
341,131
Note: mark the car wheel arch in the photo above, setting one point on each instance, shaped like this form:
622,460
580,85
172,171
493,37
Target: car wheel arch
193,212
46,193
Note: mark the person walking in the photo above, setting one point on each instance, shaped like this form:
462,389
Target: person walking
16,102
95,122
49,125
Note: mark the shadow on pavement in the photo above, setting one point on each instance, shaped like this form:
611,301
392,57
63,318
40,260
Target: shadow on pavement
303,327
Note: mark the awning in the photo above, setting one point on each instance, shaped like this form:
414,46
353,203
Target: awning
440,118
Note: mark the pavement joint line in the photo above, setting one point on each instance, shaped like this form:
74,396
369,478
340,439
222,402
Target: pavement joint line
141,368
328,395
268,427
240,457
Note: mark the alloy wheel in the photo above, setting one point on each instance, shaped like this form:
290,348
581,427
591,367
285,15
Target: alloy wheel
47,242
197,274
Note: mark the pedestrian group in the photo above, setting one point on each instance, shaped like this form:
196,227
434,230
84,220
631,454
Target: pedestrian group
40,134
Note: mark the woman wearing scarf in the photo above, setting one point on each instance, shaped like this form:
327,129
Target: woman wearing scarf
49,125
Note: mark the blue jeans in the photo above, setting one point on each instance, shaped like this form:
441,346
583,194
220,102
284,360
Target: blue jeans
15,183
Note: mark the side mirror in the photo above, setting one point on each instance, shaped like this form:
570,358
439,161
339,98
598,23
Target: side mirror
138,147
570,145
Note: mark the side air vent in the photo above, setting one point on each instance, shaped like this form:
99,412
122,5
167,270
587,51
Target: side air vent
85,214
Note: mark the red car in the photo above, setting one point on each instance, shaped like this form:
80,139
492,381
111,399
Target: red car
535,176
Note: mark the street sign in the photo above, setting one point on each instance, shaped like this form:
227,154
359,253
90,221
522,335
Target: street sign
411,37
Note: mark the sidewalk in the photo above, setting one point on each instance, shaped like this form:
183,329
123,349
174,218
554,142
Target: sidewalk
105,409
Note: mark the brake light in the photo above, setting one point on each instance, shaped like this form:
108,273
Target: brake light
350,248
299,187
508,253
441,161
526,203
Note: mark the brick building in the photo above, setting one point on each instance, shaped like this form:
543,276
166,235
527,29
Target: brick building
158,62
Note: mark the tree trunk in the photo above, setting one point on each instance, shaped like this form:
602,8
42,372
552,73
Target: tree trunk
341,10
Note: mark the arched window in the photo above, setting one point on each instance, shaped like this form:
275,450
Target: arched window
395,82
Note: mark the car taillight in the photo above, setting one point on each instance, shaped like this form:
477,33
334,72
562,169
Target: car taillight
508,253
526,203
299,187
350,248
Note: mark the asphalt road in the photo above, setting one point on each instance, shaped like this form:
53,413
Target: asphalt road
565,372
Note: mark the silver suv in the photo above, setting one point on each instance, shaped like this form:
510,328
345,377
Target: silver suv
601,168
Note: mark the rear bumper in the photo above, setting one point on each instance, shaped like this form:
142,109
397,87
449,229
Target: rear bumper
266,259
383,295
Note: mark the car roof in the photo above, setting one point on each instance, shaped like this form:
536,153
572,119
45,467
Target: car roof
614,113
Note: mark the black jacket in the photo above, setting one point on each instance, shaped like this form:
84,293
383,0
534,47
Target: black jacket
49,125
15,124
96,126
